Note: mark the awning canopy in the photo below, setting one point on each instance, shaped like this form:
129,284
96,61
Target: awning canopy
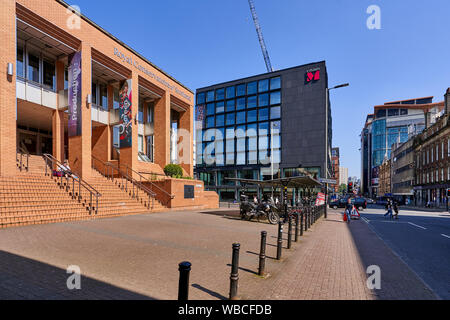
294,182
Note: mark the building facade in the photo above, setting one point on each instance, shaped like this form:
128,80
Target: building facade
432,159
270,125
384,187
343,176
393,122
335,156
403,172
77,92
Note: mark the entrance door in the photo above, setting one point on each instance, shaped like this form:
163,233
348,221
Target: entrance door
29,142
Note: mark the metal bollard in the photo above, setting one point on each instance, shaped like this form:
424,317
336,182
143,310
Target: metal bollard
289,245
297,221
280,240
234,276
262,254
301,223
183,284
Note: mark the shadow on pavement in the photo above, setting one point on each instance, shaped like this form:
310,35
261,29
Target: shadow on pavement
210,292
27,279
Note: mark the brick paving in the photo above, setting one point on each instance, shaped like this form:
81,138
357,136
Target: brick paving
136,257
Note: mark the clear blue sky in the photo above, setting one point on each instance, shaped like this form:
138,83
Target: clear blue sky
201,42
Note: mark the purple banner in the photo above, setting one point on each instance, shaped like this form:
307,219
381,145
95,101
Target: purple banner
75,94
125,104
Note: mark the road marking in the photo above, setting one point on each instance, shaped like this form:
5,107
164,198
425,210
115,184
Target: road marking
444,235
365,220
417,226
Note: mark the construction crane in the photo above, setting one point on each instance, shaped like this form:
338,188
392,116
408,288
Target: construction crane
260,36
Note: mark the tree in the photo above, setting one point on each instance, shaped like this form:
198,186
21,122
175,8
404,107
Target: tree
343,188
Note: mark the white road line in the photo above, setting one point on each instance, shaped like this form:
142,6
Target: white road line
365,220
417,226
444,235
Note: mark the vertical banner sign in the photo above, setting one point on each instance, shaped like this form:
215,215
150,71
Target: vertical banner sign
125,104
320,200
75,94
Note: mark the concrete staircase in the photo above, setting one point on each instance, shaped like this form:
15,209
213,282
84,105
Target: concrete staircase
30,197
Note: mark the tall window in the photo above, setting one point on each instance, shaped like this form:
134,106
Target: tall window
141,112
19,63
33,67
103,96
49,74
140,143
150,113
116,100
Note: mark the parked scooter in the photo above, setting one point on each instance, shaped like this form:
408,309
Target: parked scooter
264,209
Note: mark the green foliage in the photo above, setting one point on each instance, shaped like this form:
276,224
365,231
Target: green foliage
173,170
343,188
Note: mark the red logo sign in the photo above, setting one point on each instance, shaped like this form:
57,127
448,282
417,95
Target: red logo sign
312,76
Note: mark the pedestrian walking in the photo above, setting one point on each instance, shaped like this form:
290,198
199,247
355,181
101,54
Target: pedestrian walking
389,209
395,207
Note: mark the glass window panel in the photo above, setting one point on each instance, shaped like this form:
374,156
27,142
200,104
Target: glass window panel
220,134
252,144
210,122
264,157
252,116
251,102
116,99
230,158
33,67
220,107
252,87
140,143
231,92
275,83
240,158
263,114
210,96
381,113
230,105
252,130
220,94
275,112
19,62
230,133
263,128
393,112
276,156
240,90
263,142
201,98
219,159
240,104
104,101
49,73
276,127
140,112
240,145
220,120
94,93
219,146
240,117
275,97
230,119
252,157
230,146
276,140
263,100
263,85
210,109
240,132
150,113
403,112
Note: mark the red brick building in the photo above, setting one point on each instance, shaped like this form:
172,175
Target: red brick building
335,156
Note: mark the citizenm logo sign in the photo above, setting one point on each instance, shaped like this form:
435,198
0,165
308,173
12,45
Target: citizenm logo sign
312,76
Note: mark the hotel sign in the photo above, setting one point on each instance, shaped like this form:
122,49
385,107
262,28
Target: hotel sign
312,75
138,66
75,94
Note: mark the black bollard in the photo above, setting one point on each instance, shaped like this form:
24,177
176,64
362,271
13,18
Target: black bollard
183,284
280,240
301,222
289,245
262,254
297,221
234,276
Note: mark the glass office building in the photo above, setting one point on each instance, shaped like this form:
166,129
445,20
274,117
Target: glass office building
241,130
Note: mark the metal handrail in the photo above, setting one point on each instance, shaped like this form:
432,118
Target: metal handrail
22,151
55,163
109,170
149,181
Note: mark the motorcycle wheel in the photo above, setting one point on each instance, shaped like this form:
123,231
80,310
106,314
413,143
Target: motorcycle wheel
273,218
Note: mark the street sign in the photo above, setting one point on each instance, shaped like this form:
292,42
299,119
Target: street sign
329,181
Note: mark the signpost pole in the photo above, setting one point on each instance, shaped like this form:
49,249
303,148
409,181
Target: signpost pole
326,194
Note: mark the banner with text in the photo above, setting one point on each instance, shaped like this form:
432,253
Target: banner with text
74,94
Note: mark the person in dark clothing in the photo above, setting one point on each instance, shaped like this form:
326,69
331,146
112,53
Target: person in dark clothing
389,206
349,209
395,207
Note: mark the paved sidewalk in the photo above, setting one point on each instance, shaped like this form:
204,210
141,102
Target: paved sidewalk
330,263
136,257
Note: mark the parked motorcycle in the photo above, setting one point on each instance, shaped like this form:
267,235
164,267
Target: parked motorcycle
265,209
